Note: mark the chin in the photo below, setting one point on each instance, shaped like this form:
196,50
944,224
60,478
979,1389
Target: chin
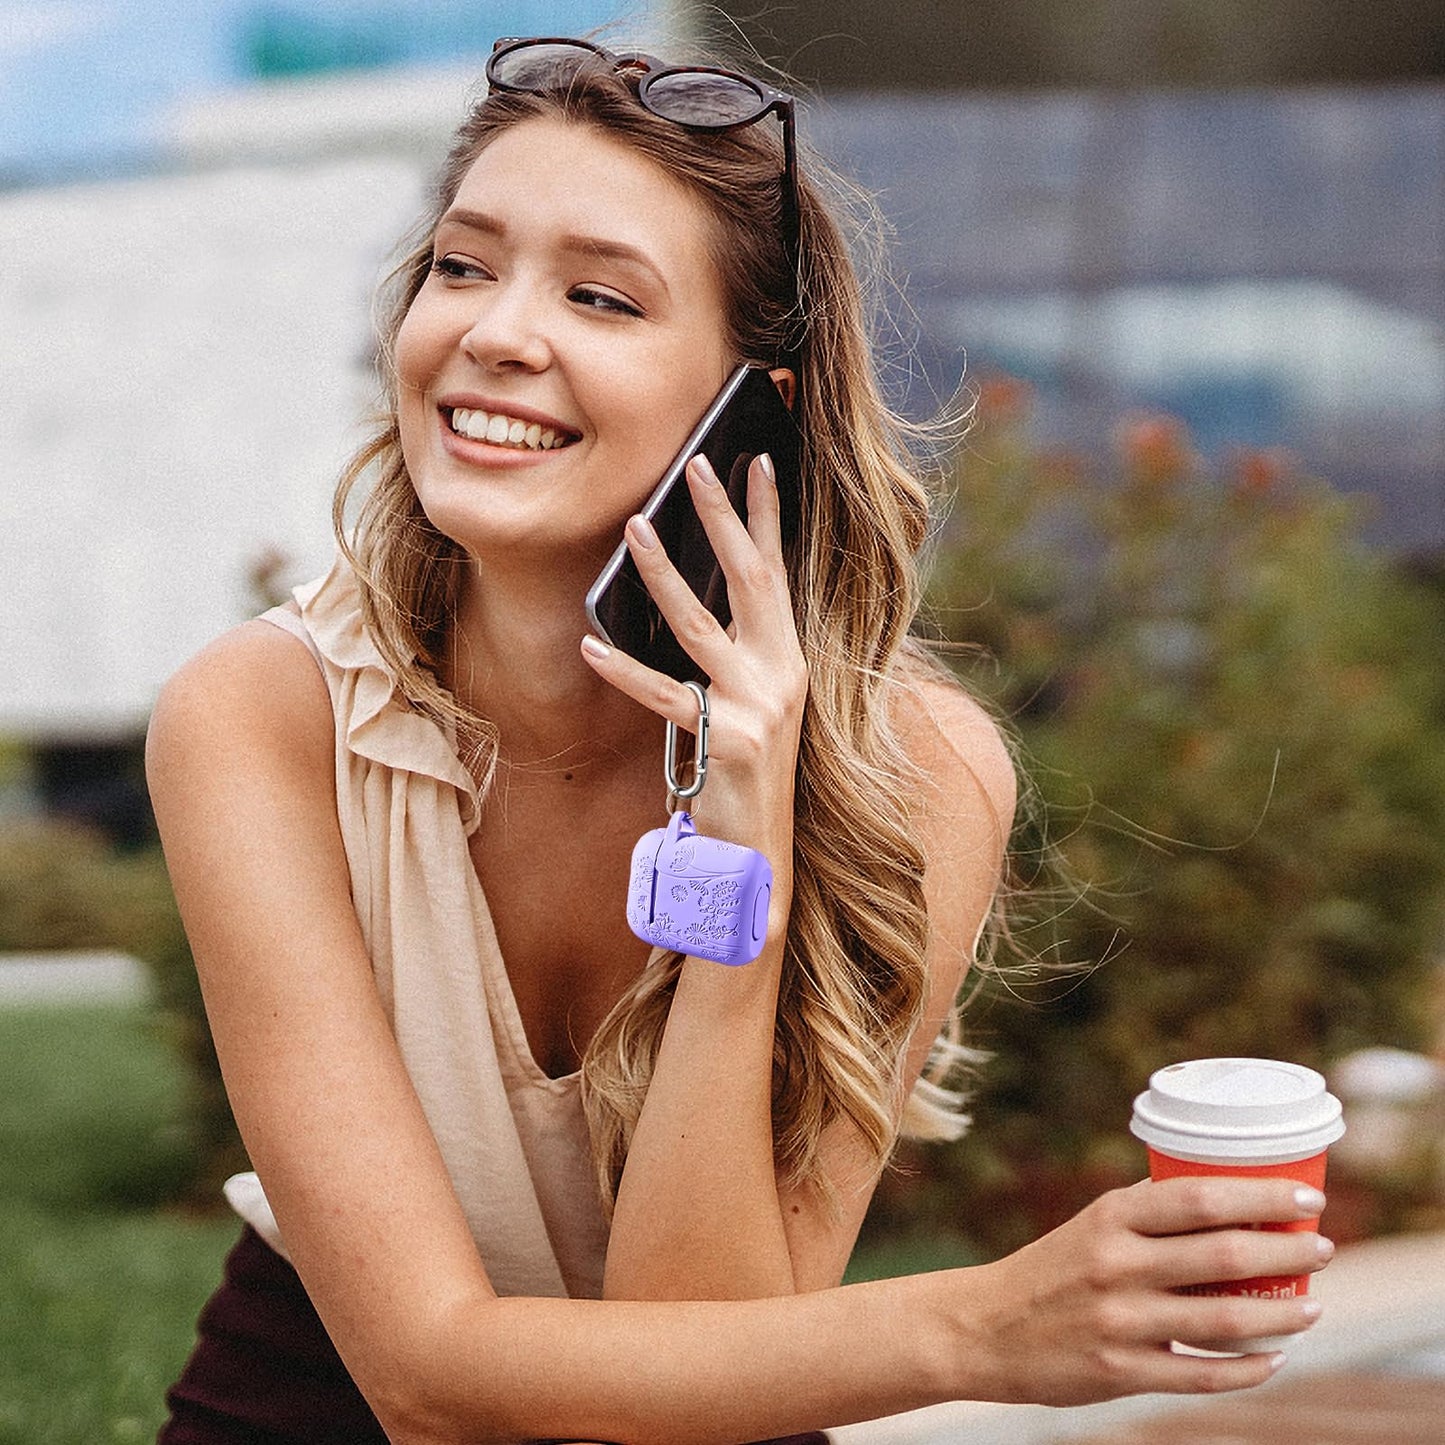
506,537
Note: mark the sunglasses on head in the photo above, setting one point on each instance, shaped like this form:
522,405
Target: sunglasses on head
696,97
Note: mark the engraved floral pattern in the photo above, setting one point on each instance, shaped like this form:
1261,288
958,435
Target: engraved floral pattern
698,879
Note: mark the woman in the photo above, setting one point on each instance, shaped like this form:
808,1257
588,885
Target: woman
440,1057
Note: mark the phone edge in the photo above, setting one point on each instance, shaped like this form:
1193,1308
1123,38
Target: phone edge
669,479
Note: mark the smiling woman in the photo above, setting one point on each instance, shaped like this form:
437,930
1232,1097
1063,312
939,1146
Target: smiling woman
591,312
533,1178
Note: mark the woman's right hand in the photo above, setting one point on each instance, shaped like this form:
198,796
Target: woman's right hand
1088,1312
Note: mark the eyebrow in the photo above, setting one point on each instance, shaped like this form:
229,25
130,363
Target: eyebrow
572,243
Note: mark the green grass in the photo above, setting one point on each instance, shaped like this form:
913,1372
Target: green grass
99,1288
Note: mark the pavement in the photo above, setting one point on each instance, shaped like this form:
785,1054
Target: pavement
1371,1372
89,976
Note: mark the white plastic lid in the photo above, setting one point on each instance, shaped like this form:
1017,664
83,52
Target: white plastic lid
1235,1109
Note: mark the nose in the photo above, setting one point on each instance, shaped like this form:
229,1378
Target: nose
508,331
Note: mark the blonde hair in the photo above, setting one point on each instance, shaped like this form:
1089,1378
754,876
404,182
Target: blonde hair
854,980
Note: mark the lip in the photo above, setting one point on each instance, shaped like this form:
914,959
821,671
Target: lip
473,401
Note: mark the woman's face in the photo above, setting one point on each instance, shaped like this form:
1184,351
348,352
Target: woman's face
567,340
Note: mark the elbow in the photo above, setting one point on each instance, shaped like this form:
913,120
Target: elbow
417,1417
427,1391
420,1416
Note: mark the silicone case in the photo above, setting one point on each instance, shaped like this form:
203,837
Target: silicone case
699,895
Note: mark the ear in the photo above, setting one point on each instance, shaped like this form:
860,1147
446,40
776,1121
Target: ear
786,383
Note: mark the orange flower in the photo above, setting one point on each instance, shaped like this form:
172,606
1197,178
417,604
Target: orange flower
1004,400
1359,683
1198,751
1154,447
1258,472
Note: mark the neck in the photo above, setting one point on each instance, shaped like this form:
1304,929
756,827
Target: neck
515,659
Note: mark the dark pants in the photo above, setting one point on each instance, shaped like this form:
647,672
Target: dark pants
264,1370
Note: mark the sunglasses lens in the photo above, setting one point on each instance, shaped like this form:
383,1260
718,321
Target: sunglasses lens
692,97
545,66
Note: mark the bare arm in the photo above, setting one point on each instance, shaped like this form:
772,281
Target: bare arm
697,1213
691,1218
240,761
698,1210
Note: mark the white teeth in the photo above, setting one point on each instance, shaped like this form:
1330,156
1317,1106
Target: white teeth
503,430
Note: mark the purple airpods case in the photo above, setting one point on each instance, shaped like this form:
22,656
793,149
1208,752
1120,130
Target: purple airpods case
699,895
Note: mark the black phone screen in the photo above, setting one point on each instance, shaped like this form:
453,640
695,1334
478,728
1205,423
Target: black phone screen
745,419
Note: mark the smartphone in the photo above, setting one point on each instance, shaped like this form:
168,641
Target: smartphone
746,418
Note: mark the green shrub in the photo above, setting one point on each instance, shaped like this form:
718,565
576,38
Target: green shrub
99,1291
1234,715
65,887
57,888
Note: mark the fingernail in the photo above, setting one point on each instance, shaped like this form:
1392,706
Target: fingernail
1276,1362
769,471
642,533
1309,1201
1311,1308
1325,1248
703,471
595,647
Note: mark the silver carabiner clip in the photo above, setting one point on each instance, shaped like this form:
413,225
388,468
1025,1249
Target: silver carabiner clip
699,766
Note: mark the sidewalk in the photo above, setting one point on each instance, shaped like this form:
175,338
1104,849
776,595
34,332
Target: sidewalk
1375,1407
1372,1372
82,976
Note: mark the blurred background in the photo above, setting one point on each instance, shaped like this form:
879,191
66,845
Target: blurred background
1186,264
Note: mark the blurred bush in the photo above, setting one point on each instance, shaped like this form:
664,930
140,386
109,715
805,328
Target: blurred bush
63,886
1233,714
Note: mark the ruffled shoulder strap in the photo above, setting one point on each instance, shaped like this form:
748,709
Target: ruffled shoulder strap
373,715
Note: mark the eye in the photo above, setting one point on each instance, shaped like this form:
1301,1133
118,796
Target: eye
590,298
459,268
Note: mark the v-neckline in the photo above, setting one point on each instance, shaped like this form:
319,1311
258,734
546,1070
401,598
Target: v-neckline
499,983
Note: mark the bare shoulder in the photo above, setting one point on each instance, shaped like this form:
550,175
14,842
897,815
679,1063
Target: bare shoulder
255,690
966,772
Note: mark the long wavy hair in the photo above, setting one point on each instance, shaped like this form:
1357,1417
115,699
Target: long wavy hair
854,979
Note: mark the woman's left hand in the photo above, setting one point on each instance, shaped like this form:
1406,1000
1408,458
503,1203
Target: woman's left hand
759,681
697,1213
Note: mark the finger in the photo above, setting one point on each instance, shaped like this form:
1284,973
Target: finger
1220,1256
756,579
1201,1318
657,692
1164,1372
1230,1321
725,529
1195,1202
765,513
698,632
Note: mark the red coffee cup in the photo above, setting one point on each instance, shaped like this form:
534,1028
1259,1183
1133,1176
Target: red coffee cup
1256,1117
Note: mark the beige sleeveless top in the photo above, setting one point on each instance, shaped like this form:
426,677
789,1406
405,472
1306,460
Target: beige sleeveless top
515,1141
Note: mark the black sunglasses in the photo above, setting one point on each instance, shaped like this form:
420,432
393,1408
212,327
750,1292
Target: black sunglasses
696,97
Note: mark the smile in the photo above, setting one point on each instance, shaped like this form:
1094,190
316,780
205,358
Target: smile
505,431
